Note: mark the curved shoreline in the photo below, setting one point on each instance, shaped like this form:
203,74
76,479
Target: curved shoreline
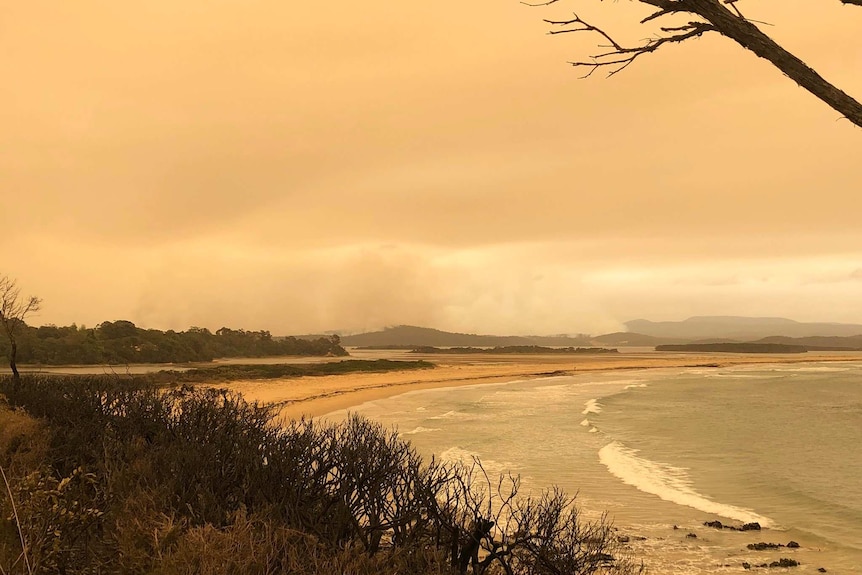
317,396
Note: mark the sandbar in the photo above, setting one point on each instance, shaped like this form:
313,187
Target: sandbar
317,396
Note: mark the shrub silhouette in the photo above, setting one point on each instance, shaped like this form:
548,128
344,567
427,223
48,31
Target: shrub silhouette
136,478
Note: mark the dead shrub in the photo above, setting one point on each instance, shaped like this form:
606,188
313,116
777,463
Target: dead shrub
23,440
190,480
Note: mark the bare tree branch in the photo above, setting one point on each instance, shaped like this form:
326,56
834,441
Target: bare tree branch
734,7
13,311
749,36
724,17
620,57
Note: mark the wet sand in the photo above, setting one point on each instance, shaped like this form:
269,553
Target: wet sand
316,396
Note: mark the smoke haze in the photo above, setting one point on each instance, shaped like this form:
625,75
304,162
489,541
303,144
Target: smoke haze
349,165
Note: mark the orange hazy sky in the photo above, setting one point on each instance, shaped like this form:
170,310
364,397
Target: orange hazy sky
308,166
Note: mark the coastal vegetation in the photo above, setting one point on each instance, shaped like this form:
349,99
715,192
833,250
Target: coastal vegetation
520,349
226,373
726,347
772,345
741,329
105,475
819,343
122,342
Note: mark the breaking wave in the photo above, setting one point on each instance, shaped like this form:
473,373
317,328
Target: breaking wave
420,429
668,482
592,406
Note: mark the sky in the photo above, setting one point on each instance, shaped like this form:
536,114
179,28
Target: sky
342,165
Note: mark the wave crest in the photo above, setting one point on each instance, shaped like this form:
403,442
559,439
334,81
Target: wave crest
420,429
668,482
592,406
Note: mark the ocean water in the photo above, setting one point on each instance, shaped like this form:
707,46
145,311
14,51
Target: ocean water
663,451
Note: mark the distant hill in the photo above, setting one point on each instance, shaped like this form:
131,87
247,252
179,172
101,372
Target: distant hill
643,333
739,328
408,335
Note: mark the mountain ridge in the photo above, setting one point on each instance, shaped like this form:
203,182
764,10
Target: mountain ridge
426,336
740,328
697,329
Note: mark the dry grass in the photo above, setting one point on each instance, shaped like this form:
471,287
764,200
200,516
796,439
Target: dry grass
23,439
259,547
23,444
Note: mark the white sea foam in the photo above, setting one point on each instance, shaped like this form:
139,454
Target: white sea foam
448,415
617,382
460,455
542,393
554,387
593,430
592,406
456,455
585,423
668,482
817,369
734,375
420,429
552,392
636,385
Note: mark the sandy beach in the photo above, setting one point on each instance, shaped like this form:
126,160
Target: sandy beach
316,396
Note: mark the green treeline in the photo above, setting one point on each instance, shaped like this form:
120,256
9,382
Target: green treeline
121,342
110,476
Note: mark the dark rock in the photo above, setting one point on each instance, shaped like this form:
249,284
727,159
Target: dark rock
784,562
822,569
751,526
639,538
746,565
675,527
623,539
793,545
763,565
715,524
692,535
763,546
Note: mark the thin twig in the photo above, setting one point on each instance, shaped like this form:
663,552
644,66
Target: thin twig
17,521
619,57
